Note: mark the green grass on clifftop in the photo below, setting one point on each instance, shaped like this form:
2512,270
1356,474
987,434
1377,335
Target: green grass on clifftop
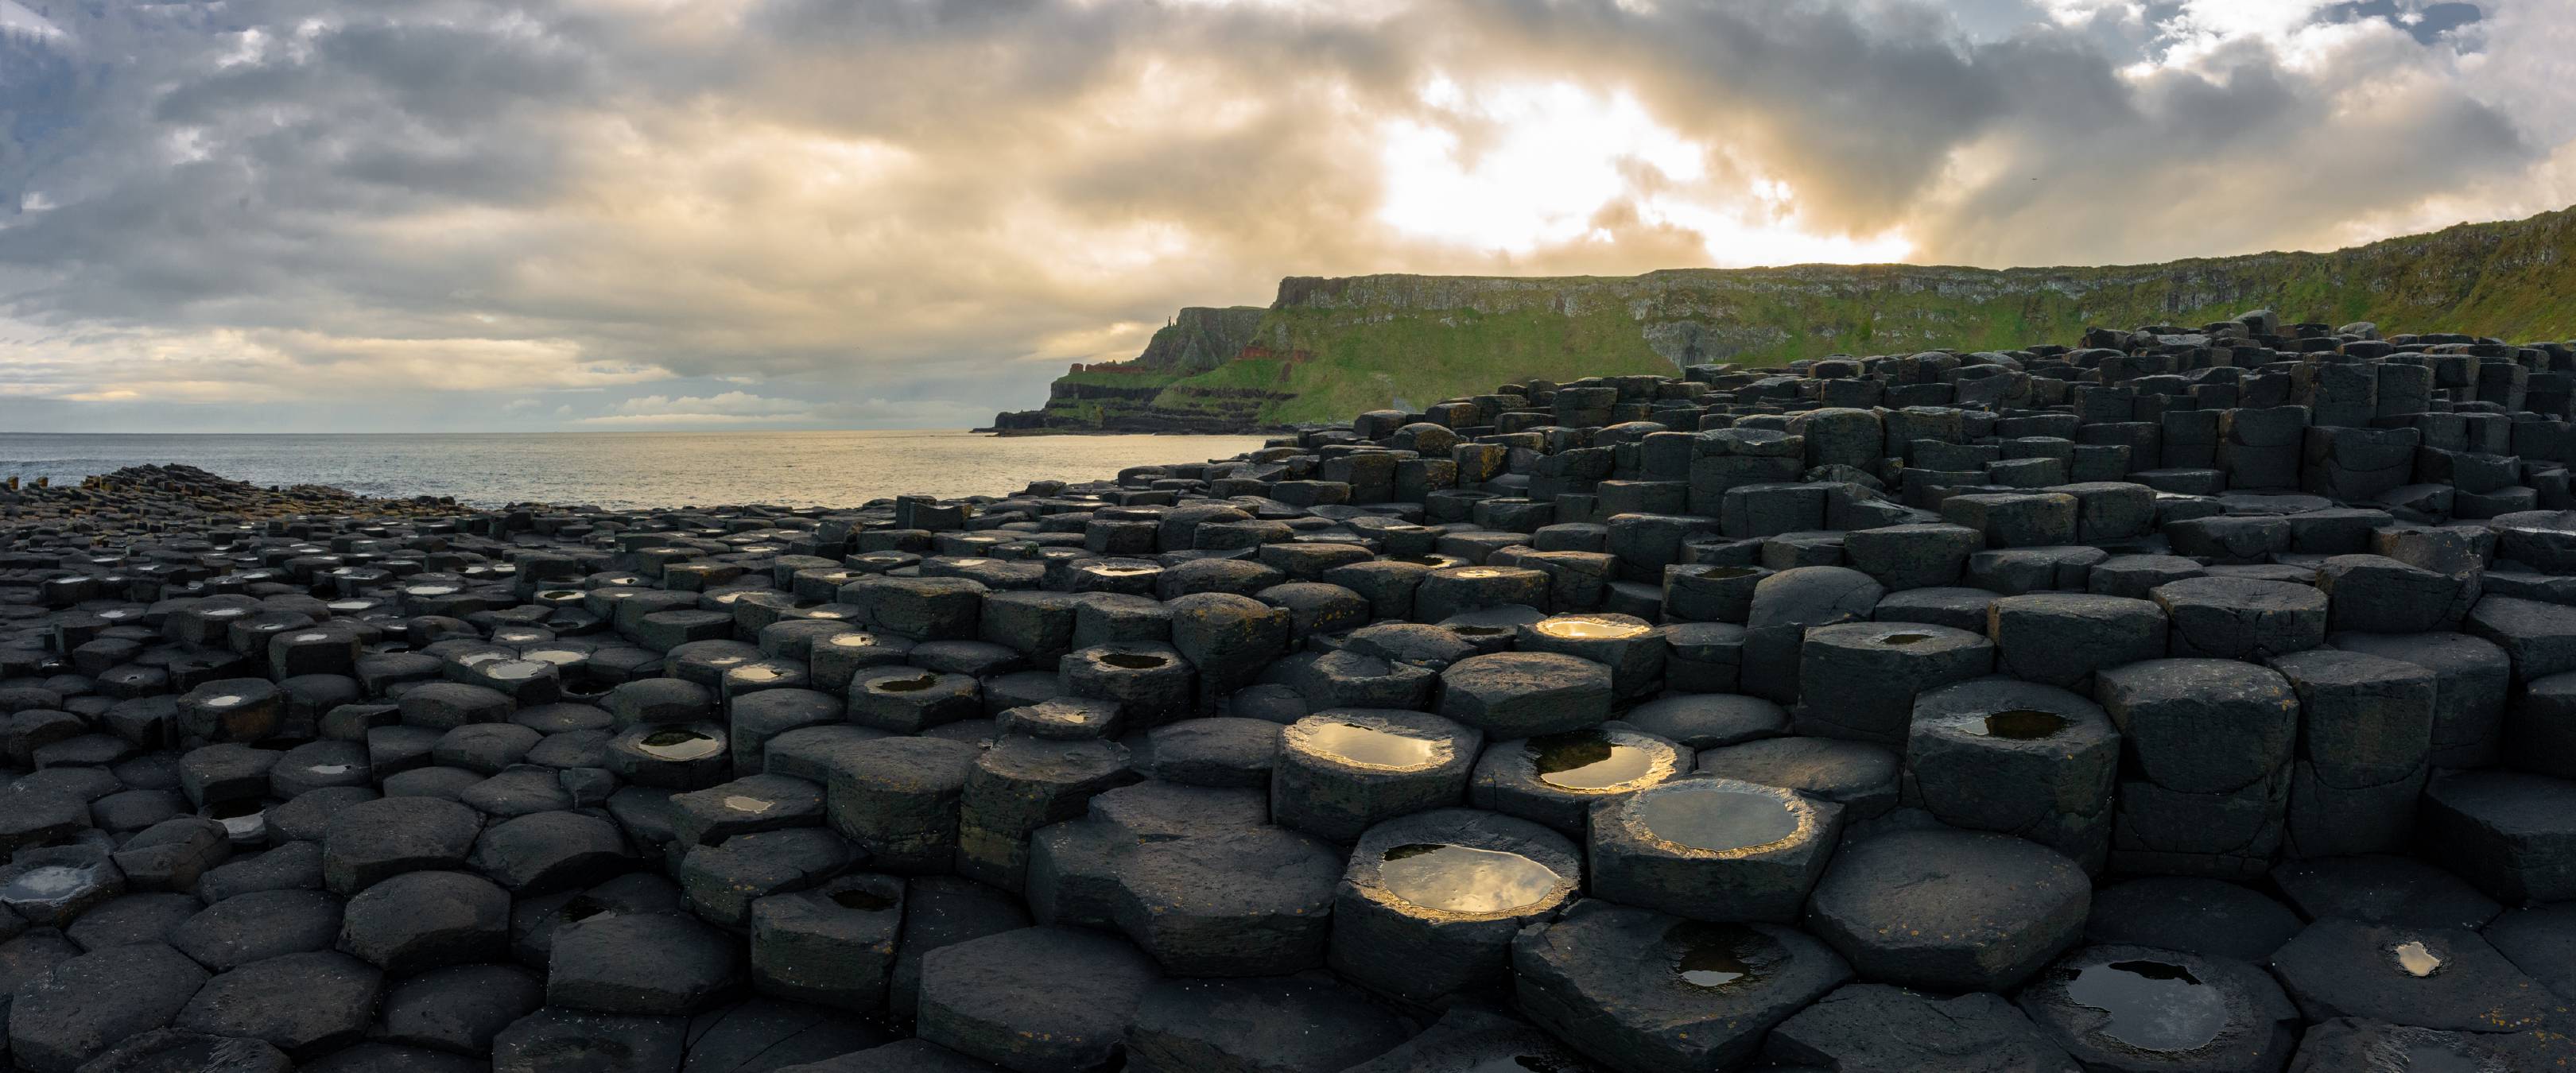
1329,348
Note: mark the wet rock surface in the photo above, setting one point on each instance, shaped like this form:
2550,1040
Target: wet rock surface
2192,698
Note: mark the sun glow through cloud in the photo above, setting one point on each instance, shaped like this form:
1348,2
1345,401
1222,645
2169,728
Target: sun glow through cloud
1519,167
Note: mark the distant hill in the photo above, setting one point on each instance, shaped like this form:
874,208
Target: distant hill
1330,348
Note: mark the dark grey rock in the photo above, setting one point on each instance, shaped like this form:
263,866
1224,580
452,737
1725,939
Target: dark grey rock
423,920
640,964
2440,978
303,1004
1034,999
86,1004
1640,990
1267,1025
2210,917
1949,910
1878,1027
2136,1008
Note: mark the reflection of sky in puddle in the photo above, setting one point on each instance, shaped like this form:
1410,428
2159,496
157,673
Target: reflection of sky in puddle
2154,1006
1460,879
1715,819
1587,760
1370,746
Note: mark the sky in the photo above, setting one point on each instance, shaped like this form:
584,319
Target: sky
428,215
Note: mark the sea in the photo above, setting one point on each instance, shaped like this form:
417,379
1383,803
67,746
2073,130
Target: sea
624,470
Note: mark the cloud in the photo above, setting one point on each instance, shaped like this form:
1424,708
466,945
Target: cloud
283,213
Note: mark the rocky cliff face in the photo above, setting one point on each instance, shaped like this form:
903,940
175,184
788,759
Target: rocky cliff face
1201,338
1328,348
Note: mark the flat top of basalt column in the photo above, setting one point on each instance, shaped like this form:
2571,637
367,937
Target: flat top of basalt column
1715,818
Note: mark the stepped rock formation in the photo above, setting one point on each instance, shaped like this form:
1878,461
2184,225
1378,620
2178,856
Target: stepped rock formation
1330,347
2173,702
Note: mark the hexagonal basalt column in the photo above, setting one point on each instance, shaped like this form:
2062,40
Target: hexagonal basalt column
2206,769
2019,758
899,799
1341,771
1431,901
1522,694
1950,910
1640,990
2241,618
1631,647
1858,680
1151,683
1555,779
2365,739
1447,592
909,700
1252,902
1712,849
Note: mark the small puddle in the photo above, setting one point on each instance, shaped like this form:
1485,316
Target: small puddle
46,883
2435,1058
854,640
1587,760
680,745
1591,629
516,670
753,805
2019,724
1903,639
2416,959
1133,661
1727,573
1461,879
755,673
1717,956
1713,819
2154,1006
906,685
1478,631
1370,747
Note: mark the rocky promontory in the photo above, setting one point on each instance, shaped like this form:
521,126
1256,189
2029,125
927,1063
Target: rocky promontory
1325,348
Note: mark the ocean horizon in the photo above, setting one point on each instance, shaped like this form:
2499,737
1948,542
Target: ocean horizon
622,470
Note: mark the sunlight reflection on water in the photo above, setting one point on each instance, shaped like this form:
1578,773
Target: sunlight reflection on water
627,469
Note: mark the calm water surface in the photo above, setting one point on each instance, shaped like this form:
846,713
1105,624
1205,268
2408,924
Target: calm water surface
627,469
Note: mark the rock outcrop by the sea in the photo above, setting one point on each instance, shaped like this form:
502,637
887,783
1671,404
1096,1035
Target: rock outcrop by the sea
1326,348
2192,698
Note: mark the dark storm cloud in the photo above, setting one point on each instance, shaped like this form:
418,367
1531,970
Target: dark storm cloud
567,210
